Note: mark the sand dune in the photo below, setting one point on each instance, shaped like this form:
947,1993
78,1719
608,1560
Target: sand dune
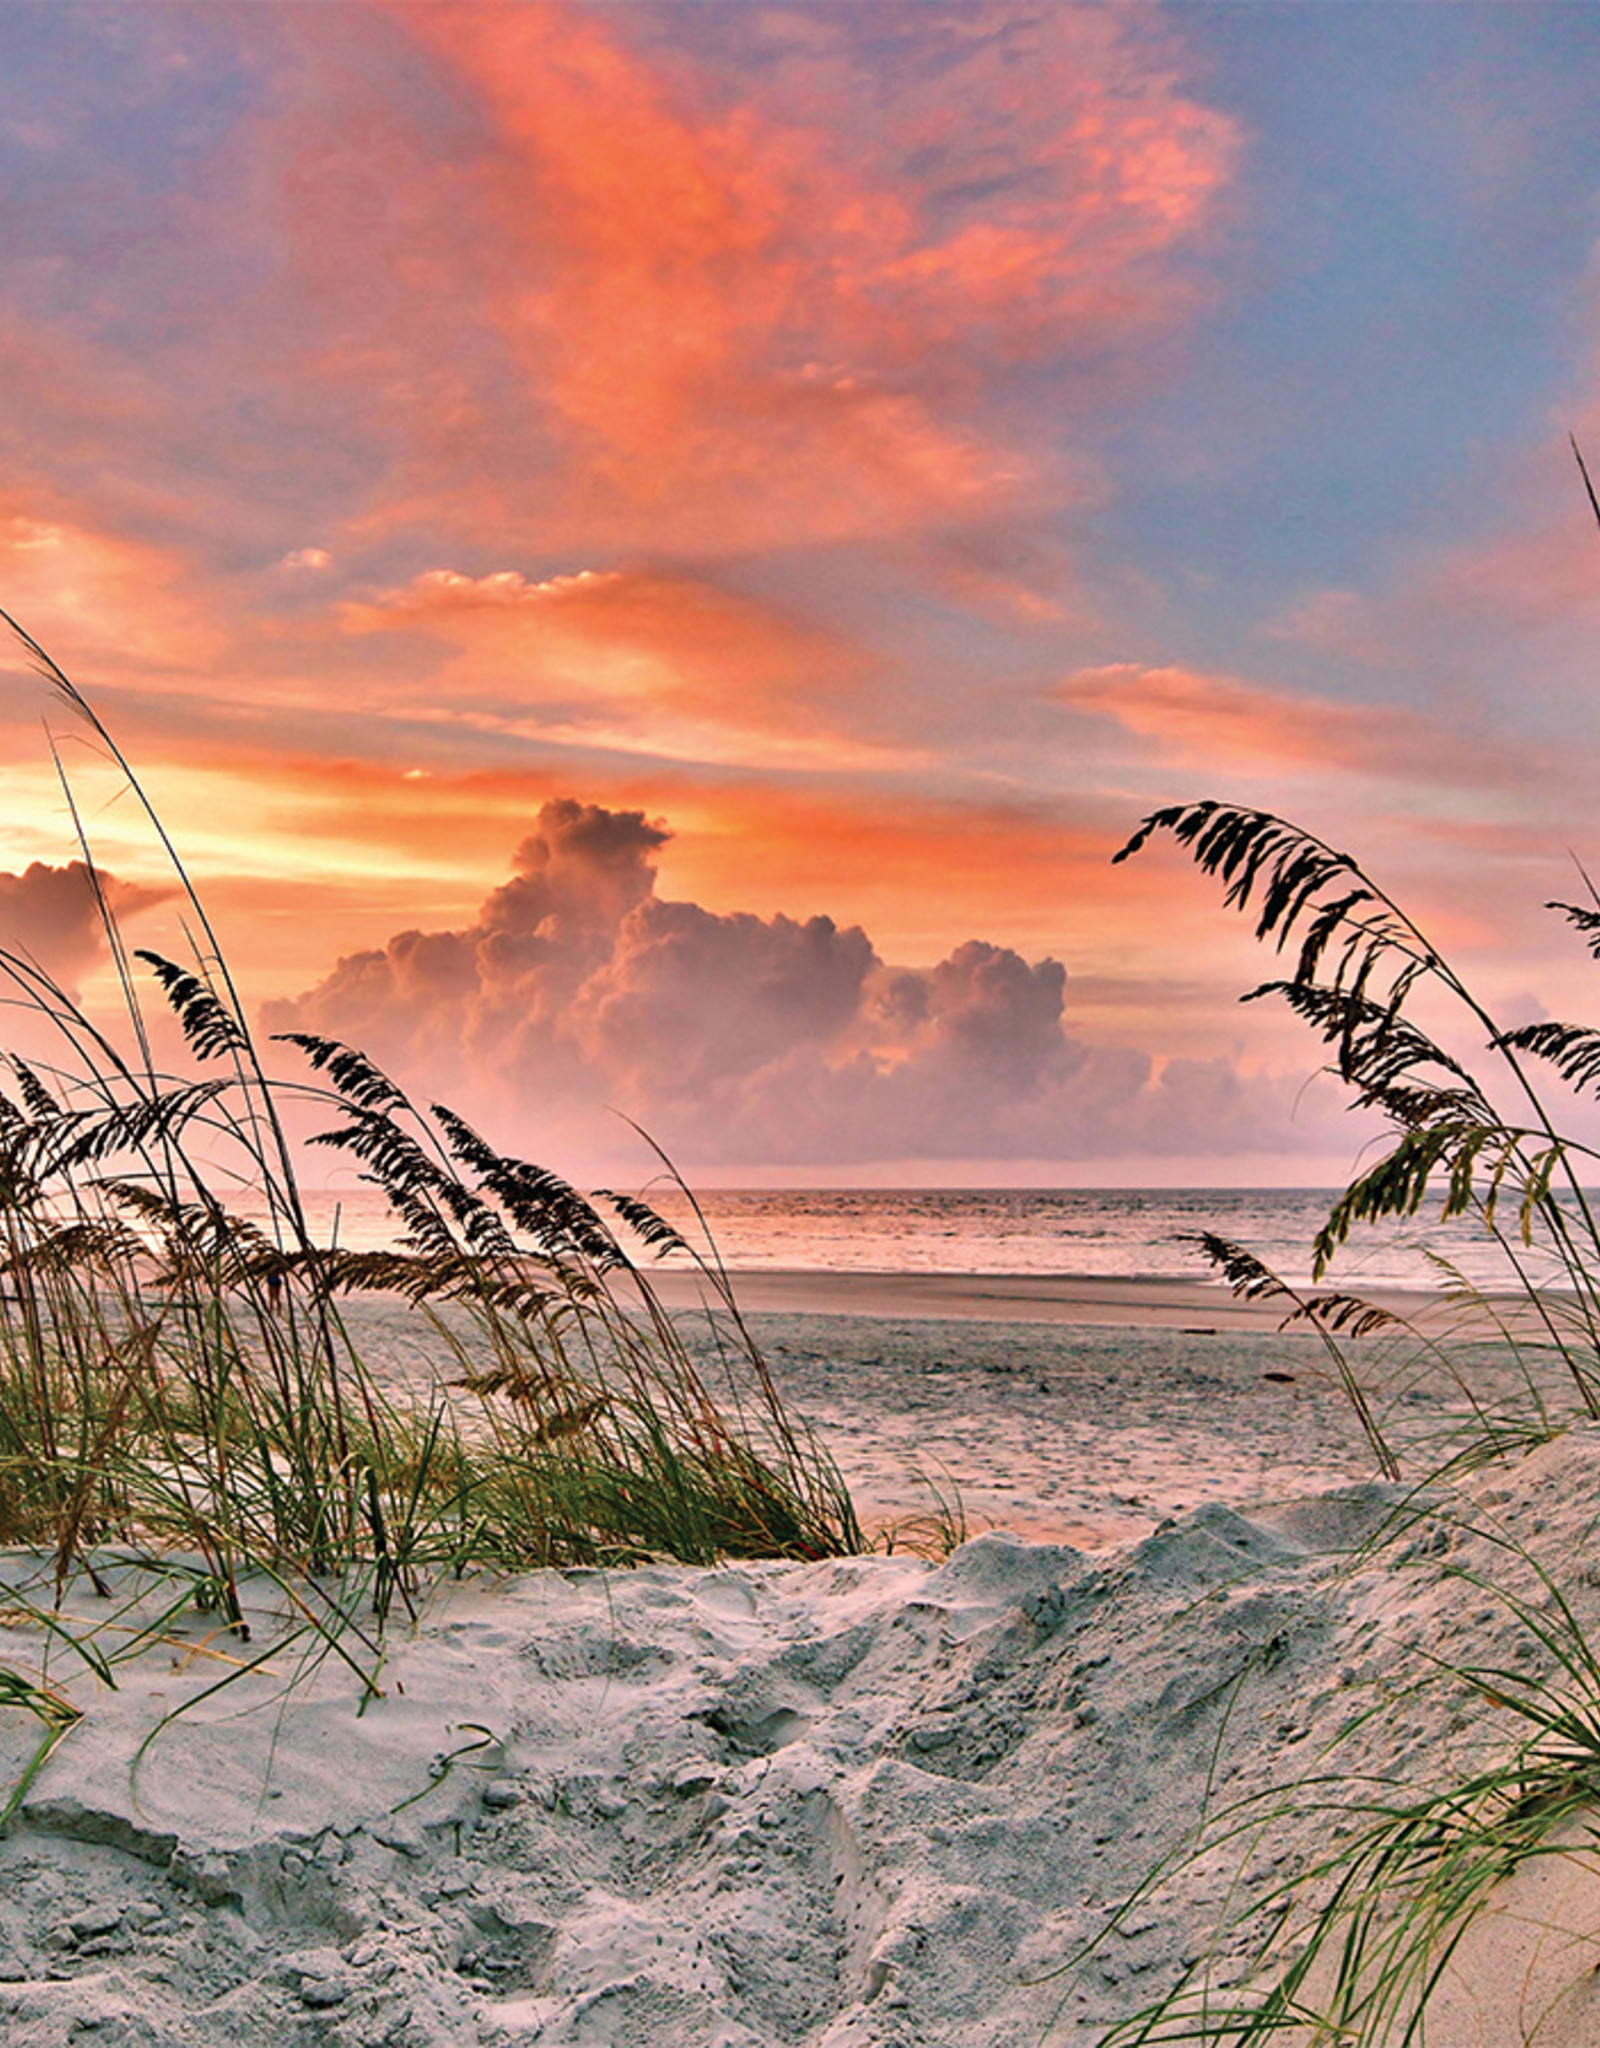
862,1804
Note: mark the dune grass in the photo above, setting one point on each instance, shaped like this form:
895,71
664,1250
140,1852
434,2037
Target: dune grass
180,1383
1359,1941
1352,1946
1478,1133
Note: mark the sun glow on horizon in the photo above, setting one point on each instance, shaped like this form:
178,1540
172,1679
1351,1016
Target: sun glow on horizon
890,449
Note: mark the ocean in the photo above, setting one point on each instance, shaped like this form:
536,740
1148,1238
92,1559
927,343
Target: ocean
1081,1233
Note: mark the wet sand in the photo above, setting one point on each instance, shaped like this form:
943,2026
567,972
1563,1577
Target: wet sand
987,1297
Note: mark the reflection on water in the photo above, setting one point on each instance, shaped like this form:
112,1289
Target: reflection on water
1133,1233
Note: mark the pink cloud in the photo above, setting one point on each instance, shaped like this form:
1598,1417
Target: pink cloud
764,295
1225,722
1517,593
764,1040
620,642
51,918
487,286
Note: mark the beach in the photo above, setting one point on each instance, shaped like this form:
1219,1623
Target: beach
797,926
1078,1410
1086,1428
874,1802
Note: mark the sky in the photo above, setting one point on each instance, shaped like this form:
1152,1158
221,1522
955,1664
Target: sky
648,555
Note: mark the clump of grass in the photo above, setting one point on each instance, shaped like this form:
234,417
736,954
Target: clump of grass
176,1379
939,1529
1353,1946
56,1716
1358,1943
1477,1133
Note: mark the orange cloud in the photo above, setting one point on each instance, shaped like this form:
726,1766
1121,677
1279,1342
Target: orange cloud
767,296
920,873
301,854
1221,720
628,645
1036,877
101,603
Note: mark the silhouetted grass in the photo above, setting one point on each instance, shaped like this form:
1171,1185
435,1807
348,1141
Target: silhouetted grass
1357,1944
1480,1134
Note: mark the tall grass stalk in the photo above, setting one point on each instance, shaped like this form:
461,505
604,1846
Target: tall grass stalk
1480,1134
1360,1941
179,1381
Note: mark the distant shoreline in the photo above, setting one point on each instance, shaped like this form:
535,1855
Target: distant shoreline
1002,1298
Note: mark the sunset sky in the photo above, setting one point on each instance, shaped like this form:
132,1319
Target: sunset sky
649,555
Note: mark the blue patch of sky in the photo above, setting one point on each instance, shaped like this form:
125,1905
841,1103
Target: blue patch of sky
109,118
141,94
1399,293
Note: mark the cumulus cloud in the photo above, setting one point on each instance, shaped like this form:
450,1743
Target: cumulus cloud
49,916
738,1038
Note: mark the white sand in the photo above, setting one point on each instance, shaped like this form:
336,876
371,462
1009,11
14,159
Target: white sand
866,1802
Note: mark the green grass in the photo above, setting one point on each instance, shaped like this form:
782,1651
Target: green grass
1359,1941
1352,1946
179,1381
